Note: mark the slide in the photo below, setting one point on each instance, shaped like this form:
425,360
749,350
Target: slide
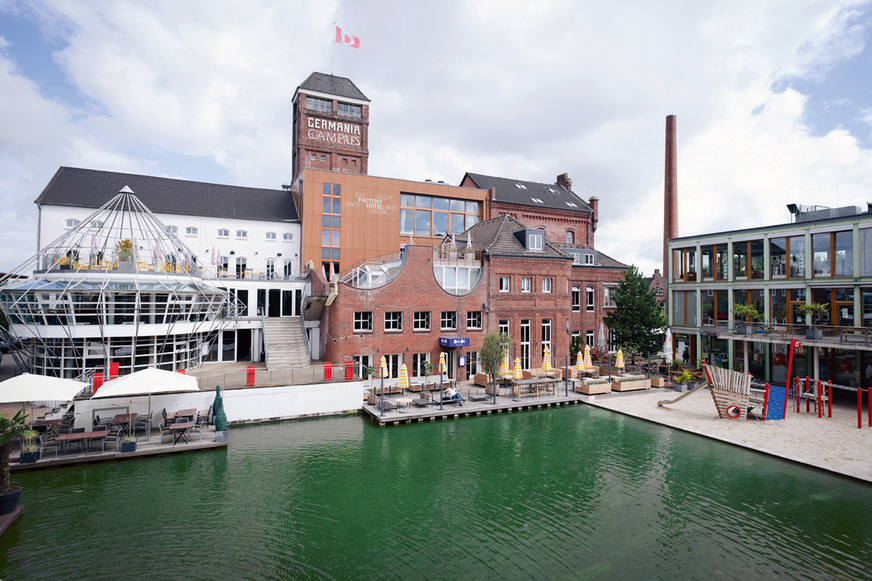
664,402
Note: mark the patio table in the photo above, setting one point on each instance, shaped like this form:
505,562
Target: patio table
189,413
181,430
81,437
124,421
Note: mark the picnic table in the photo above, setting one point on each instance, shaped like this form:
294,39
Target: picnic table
180,430
123,421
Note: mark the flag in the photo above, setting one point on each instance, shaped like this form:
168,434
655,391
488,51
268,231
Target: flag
351,41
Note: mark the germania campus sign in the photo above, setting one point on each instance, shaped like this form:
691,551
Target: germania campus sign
334,132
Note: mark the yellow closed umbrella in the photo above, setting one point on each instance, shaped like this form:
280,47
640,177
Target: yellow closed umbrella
504,365
404,377
443,363
383,368
546,359
579,362
619,360
587,362
518,373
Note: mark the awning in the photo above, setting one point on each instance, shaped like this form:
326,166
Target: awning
454,341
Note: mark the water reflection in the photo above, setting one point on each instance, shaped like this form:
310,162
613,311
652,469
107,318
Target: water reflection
566,493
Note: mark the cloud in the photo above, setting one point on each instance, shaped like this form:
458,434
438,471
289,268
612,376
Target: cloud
203,91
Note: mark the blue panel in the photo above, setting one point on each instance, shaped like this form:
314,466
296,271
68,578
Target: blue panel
777,401
453,341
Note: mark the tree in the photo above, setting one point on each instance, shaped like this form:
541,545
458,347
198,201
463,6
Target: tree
575,346
491,353
638,322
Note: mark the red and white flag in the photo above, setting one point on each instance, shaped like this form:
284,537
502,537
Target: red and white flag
343,38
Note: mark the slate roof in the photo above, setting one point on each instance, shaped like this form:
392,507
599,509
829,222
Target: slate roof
339,86
497,236
90,188
603,260
552,195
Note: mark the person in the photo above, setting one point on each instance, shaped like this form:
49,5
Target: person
450,392
686,356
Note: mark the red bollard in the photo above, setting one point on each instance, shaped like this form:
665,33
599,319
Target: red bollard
829,399
869,407
349,370
97,382
113,371
250,378
182,371
328,371
766,403
819,401
859,407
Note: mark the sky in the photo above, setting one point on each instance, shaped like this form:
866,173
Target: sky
773,99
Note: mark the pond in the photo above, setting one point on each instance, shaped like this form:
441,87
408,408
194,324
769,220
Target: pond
566,493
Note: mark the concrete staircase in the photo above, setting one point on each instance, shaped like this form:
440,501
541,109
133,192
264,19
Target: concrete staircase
286,346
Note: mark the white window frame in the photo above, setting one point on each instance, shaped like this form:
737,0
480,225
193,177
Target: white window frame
608,291
421,321
393,321
448,321
172,229
362,321
191,230
526,284
271,236
474,320
287,237
576,258
536,242
575,298
546,285
590,299
241,234
72,222
505,284
223,233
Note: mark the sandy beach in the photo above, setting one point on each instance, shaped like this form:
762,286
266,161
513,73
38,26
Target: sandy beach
834,444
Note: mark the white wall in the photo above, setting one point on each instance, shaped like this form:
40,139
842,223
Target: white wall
240,405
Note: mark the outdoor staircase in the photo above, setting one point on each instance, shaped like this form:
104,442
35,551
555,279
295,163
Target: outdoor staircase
286,346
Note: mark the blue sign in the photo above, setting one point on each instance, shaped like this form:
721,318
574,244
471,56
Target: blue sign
453,341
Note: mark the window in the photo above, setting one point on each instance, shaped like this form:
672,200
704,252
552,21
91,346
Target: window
576,258
684,264
434,216
72,223
537,200
525,343
191,231
323,158
449,320
288,268
576,298
546,334
609,295
535,243
421,321
570,237
832,254
360,362
270,267
590,300
546,285
98,224
362,321
473,320
504,284
588,337
331,209
394,321
270,235
589,259
526,284
316,104
418,361
223,233
313,157
393,361
287,237
349,110
504,326
172,230
242,234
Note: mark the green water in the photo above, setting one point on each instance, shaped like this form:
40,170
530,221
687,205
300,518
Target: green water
569,493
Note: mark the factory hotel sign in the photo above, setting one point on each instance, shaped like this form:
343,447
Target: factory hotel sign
336,132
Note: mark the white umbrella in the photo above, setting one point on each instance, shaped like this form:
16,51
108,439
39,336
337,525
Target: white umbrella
28,387
147,382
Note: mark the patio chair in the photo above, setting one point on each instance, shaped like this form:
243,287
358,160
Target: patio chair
165,431
195,429
204,417
46,442
423,401
143,423
113,434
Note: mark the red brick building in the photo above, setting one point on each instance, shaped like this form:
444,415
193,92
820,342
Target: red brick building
416,303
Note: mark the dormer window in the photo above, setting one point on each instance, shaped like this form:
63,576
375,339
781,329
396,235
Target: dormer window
241,234
191,231
96,224
521,186
72,223
172,229
223,233
536,242
589,259
537,200
572,204
271,236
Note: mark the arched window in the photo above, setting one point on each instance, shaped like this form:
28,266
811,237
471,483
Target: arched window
570,237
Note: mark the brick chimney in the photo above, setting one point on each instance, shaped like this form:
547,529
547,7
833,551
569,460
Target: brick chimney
563,180
670,192
594,205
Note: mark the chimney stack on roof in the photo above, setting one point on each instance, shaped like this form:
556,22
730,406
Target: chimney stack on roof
563,180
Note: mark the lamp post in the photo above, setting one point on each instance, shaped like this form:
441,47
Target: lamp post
609,355
566,377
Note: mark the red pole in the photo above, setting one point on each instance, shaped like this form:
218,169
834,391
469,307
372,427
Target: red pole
787,381
869,406
766,403
820,411
808,388
859,407
829,399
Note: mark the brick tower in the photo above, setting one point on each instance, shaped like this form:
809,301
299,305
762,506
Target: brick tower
331,121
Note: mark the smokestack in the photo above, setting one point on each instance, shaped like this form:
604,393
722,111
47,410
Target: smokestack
670,193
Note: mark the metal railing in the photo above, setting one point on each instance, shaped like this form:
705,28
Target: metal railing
840,334
264,377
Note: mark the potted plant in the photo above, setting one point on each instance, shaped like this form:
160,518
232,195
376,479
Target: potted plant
10,429
29,450
428,368
128,443
815,310
748,314
683,380
124,250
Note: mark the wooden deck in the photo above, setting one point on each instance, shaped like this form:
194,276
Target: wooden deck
505,403
144,448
